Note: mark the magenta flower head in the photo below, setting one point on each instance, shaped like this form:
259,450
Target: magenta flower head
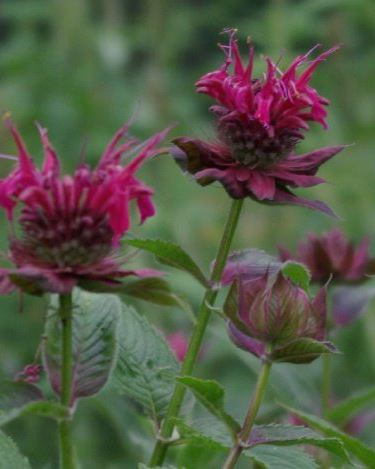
333,256
70,226
259,122
272,317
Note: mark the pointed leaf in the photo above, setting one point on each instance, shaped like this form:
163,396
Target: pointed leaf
303,350
212,434
287,435
170,254
10,457
211,395
342,412
95,321
155,290
297,273
363,452
276,457
146,367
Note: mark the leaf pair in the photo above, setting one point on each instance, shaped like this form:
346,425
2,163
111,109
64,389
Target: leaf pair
222,432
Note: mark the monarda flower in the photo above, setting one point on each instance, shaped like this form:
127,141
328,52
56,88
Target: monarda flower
259,122
69,226
272,317
332,256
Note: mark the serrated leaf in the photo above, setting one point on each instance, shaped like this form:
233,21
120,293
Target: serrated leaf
303,350
297,273
170,254
146,367
363,452
155,290
276,457
212,434
287,435
10,457
95,321
346,409
211,395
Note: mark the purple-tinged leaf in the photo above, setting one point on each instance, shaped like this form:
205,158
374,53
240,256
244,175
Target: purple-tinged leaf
95,325
363,452
289,435
303,350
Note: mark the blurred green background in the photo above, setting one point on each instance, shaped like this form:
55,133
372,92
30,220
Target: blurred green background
82,68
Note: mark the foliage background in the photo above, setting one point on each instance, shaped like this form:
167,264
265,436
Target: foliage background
82,68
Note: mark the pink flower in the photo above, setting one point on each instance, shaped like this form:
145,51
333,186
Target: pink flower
179,344
71,225
30,374
332,255
259,123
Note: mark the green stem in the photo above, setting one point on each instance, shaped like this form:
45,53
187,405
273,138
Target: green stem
244,434
65,426
326,382
209,298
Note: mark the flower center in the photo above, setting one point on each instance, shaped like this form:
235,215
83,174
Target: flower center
252,145
68,240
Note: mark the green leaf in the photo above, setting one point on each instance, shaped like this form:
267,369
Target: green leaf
363,452
15,394
211,395
343,411
146,367
208,432
155,290
10,457
95,325
168,466
276,457
303,350
297,273
287,435
48,409
18,398
170,254
212,435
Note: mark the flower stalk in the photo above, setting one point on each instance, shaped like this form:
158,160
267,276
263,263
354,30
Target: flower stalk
65,426
244,435
209,298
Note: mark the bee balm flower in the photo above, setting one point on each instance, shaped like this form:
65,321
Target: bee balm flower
71,225
332,255
259,123
269,315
